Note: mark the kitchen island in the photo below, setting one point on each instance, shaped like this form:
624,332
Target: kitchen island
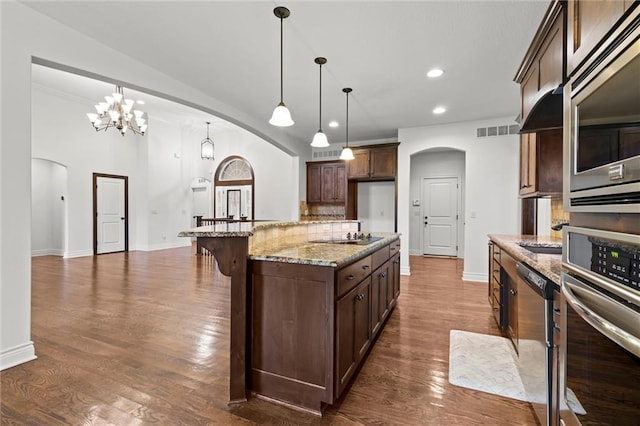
306,304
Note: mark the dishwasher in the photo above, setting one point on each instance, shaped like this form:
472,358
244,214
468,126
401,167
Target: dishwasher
535,339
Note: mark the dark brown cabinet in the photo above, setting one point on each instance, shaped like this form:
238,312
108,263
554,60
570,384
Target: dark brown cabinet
587,24
374,162
326,182
542,71
312,325
354,336
541,163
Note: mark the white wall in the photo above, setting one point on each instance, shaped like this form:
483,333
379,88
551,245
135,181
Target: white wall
491,185
25,34
376,206
428,164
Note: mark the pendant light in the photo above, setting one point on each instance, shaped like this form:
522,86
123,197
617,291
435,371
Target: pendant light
281,116
320,139
206,146
346,153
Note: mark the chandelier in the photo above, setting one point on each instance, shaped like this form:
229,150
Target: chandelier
117,112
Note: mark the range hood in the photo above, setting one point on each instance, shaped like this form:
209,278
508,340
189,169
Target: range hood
546,114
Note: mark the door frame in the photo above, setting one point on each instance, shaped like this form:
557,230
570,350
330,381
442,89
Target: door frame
95,209
459,229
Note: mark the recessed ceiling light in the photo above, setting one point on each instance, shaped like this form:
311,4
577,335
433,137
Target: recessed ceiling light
333,123
139,102
436,72
439,110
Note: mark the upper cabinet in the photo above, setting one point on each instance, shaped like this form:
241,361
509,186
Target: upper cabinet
326,182
588,23
541,163
541,74
374,162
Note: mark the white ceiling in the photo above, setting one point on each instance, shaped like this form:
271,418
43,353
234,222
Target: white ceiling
382,49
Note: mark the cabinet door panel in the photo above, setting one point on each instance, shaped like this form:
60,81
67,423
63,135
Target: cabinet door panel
587,23
383,162
353,331
395,275
328,183
340,183
313,183
359,166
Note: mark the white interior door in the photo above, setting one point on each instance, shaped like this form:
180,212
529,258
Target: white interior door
440,216
110,214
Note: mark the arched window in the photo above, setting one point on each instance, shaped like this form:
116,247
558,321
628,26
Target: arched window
234,187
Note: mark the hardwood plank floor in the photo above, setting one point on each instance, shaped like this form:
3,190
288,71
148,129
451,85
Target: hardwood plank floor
143,338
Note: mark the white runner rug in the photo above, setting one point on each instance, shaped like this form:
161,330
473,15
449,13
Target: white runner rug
485,363
489,364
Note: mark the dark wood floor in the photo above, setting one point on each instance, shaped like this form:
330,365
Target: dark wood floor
143,338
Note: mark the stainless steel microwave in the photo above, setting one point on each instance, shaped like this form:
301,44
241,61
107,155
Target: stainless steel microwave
602,128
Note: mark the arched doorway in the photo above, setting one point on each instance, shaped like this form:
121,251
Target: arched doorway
234,186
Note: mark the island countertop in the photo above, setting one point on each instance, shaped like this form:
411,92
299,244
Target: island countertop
319,253
549,265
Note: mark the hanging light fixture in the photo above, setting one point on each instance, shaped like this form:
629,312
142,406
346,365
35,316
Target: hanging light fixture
281,116
347,153
206,146
320,139
117,112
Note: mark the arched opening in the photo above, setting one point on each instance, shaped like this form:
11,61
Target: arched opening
437,188
233,189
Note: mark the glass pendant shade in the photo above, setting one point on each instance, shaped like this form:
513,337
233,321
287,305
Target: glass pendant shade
206,146
320,140
206,150
346,154
281,116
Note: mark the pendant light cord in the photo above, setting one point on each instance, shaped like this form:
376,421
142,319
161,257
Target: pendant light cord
320,97
281,63
347,137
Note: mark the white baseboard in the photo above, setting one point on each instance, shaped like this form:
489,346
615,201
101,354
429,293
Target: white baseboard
405,270
47,252
415,252
475,276
17,355
78,253
163,246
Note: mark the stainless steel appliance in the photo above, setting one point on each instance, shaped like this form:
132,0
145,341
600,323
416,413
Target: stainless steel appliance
603,128
599,369
535,339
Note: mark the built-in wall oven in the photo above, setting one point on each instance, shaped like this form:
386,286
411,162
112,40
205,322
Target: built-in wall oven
599,357
602,127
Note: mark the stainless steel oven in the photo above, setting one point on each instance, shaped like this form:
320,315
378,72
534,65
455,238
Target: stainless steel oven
602,106
599,356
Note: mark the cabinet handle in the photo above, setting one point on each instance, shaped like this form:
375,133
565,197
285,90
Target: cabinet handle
360,297
365,266
382,274
350,277
513,292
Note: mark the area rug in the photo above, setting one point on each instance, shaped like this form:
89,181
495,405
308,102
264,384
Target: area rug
489,364
485,363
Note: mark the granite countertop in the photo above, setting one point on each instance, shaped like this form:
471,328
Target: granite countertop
245,229
549,265
322,254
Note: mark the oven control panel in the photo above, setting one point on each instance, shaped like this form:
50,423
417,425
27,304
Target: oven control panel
620,263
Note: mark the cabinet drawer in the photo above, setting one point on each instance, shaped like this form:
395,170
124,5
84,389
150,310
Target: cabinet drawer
379,257
350,276
394,247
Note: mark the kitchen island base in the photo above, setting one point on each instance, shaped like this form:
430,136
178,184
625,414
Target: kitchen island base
312,326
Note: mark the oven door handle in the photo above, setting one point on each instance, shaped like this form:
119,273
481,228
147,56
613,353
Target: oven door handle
572,288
